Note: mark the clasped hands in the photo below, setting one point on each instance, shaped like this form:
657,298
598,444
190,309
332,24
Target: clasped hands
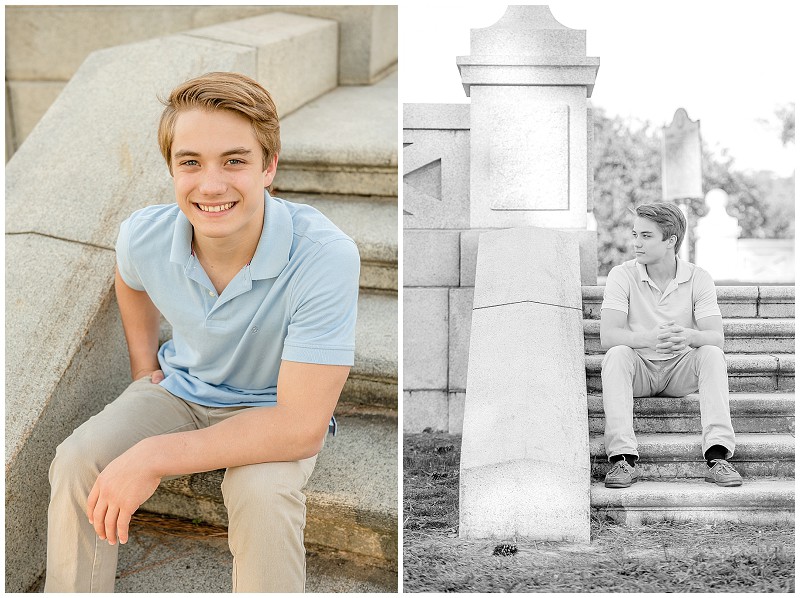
670,338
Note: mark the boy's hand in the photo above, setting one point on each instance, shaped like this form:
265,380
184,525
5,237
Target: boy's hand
673,338
156,376
119,490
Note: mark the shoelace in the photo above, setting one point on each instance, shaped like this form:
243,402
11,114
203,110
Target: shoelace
619,465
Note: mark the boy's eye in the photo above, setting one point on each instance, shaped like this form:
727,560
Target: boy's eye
235,161
189,163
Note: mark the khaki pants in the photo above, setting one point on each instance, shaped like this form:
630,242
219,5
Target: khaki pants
626,375
266,507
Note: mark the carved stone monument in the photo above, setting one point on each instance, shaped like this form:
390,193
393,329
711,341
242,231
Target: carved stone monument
525,448
682,166
528,78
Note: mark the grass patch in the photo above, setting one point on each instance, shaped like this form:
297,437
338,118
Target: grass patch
655,557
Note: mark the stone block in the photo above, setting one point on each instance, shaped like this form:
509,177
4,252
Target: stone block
435,173
587,246
738,301
286,44
525,411
460,323
776,302
425,410
357,155
425,316
430,258
455,422
65,359
528,264
30,100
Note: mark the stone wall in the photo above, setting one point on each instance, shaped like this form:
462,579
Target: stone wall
45,45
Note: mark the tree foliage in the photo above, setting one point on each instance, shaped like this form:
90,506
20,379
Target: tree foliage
627,172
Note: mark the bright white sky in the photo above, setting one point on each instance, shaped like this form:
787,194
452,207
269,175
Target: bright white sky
728,64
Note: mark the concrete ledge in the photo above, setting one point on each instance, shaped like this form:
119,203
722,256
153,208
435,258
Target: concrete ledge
351,496
756,501
776,302
285,45
357,155
750,412
666,456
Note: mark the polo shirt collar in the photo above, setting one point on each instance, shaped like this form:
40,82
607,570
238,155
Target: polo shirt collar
683,273
272,252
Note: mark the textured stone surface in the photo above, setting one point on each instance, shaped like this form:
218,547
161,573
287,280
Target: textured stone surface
750,412
525,411
286,44
757,501
425,410
30,100
776,302
65,359
587,246
435,174
455,420
425,316
430,258
359,159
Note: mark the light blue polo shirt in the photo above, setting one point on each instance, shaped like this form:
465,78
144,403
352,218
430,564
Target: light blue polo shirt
296,300
690,296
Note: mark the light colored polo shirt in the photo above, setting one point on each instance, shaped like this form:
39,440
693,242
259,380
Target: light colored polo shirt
689,296
295,300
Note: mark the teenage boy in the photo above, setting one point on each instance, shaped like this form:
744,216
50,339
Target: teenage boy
261,294
661,328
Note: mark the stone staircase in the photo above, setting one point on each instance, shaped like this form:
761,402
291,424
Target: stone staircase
352,495
759,349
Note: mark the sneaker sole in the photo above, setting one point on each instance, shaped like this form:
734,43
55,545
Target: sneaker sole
620,484
730,484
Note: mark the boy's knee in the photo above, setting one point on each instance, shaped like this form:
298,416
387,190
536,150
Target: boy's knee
710,353
262,485
619,355
74,459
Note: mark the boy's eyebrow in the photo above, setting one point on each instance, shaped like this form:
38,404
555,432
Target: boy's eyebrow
241,151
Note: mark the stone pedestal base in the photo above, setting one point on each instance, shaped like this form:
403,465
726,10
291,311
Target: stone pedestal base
525,450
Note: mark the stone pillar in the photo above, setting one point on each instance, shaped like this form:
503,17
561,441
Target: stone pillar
717,238
528,78
525,468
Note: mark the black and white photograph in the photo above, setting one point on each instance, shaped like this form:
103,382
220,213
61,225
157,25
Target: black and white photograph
598,297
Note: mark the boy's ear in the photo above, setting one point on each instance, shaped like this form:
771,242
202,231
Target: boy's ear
269,173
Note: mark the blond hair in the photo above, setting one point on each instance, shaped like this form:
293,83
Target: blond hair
223,91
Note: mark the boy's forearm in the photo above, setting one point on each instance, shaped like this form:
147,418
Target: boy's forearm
254,436
621,336
701,338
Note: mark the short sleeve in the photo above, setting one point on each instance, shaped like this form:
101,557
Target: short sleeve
617,291
124,262
704,295
324,302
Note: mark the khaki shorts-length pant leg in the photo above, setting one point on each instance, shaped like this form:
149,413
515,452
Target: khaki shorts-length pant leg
265,502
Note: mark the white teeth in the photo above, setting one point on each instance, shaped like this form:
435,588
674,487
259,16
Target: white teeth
220,208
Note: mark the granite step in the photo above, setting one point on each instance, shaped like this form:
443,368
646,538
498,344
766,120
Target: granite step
746,372
360,160
755,501
372,223
750,412
670,456
351,496
742,335
373,377
734,301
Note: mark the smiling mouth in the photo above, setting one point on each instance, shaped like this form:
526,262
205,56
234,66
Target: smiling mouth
216,208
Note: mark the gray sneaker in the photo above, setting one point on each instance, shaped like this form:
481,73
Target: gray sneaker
722,473
621,475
